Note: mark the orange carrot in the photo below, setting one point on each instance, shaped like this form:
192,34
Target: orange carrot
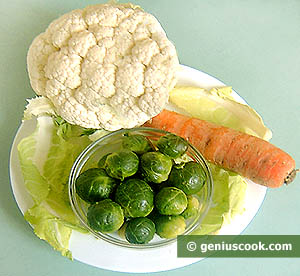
251,157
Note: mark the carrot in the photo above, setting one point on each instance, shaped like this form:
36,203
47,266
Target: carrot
247,155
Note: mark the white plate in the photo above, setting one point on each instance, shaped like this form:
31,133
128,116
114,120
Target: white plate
104,255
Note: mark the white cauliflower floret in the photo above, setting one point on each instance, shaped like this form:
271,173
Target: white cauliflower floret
107,66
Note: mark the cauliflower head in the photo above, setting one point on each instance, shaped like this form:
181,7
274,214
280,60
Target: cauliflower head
107,66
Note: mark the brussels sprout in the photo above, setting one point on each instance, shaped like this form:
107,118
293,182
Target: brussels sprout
121,164
192,207
169,227
136,143
101,162
140,230
155,167
170,201
94,185
136,197
172,145
190,178
105,216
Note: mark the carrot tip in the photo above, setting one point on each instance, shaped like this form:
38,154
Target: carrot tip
291,176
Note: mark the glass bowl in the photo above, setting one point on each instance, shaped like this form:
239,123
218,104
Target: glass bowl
111,142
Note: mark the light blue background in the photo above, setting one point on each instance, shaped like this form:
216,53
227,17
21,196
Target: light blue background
253,46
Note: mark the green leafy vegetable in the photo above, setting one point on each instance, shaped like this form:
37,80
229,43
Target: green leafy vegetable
29,156
139,230
121,164
105,216
46,157
39,106
190,178
228,200
219,106
155,167
94,185
136,198
170,201
50,228
169,227
172,145
136,143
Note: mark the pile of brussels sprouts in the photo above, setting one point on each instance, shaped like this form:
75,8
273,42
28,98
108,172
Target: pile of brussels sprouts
140,190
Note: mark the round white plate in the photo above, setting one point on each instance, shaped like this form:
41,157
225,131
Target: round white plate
104,255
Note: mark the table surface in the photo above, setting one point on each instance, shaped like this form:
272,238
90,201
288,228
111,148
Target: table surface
252,46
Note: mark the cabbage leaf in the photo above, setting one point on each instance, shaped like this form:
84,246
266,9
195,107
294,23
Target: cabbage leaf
228,200
218,105
38,106
46,157
50,228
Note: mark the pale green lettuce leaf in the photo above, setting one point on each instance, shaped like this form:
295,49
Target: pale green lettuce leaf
58,204
218,105
31,158
61,156
57,167
228,200
50,228
46,157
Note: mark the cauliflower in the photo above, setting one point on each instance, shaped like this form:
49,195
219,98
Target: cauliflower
107,66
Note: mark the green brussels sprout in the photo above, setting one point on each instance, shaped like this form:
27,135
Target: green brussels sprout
94,185
155,167
169,227
170,201
192,207
189,179
105,216
121,164
140,230
136,197
101,162
172,145
136,143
